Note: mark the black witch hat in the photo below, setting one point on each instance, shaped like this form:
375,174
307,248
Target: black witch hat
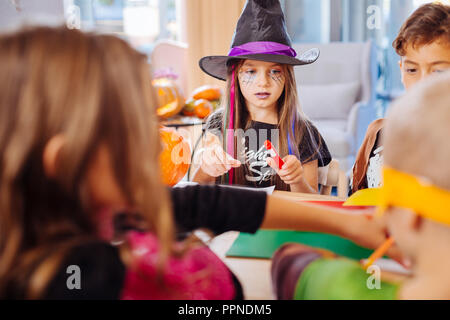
260,34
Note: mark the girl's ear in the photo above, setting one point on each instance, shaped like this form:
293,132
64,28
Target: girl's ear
50,155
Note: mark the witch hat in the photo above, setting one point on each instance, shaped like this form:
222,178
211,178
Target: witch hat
260,34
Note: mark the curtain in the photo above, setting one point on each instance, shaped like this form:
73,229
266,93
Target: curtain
207,26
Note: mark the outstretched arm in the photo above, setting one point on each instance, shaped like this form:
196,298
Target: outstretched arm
359,227
223,209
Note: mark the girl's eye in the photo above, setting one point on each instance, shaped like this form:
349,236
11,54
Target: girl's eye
411,70
250,71
439,70
275,72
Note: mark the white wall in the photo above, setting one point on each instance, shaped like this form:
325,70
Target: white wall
47,12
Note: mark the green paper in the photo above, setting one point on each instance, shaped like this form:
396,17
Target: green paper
264,243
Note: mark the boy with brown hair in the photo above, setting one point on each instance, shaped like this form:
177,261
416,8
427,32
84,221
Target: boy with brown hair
423,44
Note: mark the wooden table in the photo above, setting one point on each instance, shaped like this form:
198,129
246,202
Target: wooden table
254,274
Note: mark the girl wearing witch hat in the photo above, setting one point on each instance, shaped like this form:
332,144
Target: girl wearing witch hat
262,104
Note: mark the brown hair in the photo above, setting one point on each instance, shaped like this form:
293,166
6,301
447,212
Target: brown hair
91,89
427,24
289,111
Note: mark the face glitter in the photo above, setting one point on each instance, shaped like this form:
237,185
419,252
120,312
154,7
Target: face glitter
277,76
247,77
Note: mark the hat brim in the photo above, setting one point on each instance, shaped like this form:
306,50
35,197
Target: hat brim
216,66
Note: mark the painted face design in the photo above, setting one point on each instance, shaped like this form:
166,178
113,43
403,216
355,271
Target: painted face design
262,83
277,76
247,78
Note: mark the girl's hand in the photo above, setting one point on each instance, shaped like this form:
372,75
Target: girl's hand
216,162
291,172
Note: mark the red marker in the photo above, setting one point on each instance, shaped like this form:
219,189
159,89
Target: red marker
274,154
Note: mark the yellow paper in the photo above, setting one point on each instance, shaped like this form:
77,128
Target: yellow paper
406,191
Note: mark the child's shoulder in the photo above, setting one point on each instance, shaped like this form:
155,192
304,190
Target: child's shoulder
376,125
306,124
309,132
95,266
312,145
96,271
196,273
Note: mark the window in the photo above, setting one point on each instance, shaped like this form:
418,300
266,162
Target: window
308,20
354,20
141,22
393,14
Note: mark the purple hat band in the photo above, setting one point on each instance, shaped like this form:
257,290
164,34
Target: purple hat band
262,47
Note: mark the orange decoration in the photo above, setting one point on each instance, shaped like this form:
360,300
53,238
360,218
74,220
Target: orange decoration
188,109
170,99
168,110
202,108
175,157
207,92
215,104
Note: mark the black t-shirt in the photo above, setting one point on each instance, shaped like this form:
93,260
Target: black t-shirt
257,172
214,207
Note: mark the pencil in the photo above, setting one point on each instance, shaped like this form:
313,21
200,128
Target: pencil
377,254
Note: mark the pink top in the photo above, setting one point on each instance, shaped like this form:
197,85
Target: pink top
198,275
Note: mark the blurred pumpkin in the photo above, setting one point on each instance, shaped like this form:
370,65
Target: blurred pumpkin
170,99
175,157
188,109
215,104
202,108
207,92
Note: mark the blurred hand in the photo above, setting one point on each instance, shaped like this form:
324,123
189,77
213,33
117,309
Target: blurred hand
215,162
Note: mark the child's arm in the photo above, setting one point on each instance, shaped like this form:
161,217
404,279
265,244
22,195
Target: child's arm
358,227
217,208
222,209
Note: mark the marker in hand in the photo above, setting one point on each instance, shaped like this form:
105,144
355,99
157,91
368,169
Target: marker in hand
274,154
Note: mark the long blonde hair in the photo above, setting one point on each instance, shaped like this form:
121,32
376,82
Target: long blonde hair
91,89
292,121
